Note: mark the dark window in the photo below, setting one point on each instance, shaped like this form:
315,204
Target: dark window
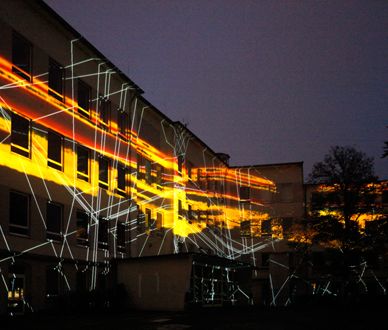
19,211
265,259
180,208
199,174
159,220
148,168
180,163
103,172
121,179
54,150
189,169
82,227
21,56
123,121
140,167
55,80
83,163
148,218
159,175
104,109
266,227
120,237
245,228
83,98
103,227
54,215
245,193
20,135
52,282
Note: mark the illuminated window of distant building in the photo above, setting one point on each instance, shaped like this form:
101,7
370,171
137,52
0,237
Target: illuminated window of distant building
103,227
82,232
19,213
83,98
104,109
121,180
123,123
120,241
103,170
55,80
54,150
52,282
21,56
54,215
20,135
83,163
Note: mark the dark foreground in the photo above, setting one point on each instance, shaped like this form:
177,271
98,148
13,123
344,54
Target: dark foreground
301,317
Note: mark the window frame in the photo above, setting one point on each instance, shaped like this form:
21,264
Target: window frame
83,87
21,230
20,148
54,163
26,73
56,236
83,175
54,69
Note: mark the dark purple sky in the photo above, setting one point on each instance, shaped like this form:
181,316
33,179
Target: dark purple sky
265,81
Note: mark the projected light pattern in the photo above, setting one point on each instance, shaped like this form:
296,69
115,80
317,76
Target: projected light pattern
136,186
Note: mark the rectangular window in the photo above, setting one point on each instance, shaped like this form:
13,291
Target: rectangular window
21,56
52,282
55,80
54,215
20,135
83,97
19,213
180,163
245,193
159,220
245,228
103,227
83,163
123,122
82,233
121,180
148,168
148,218
159,176
120,237
16,291
103,172
104,109
140,167
54,150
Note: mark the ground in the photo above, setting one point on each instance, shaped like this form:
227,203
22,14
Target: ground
306,317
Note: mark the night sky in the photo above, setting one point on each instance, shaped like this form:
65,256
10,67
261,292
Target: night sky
264,81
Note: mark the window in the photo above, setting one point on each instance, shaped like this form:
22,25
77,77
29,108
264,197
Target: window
148,168
83,97
55,80
120,237
21,56
245,193
103,227
140,167
189,169
82,227
159,220
180,208
121,180
245,228
52,282
104,109
54,150
83,163
180,163
148,217
123,122
159,176
265,259
103,172
20,135
54,215
199,175
19,211
16,291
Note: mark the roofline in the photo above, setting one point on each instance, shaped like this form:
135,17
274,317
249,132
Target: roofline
67,26
268,165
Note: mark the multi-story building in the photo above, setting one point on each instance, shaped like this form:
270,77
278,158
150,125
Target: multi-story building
92,173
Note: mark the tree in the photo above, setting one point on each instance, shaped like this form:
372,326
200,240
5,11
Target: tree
345,194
